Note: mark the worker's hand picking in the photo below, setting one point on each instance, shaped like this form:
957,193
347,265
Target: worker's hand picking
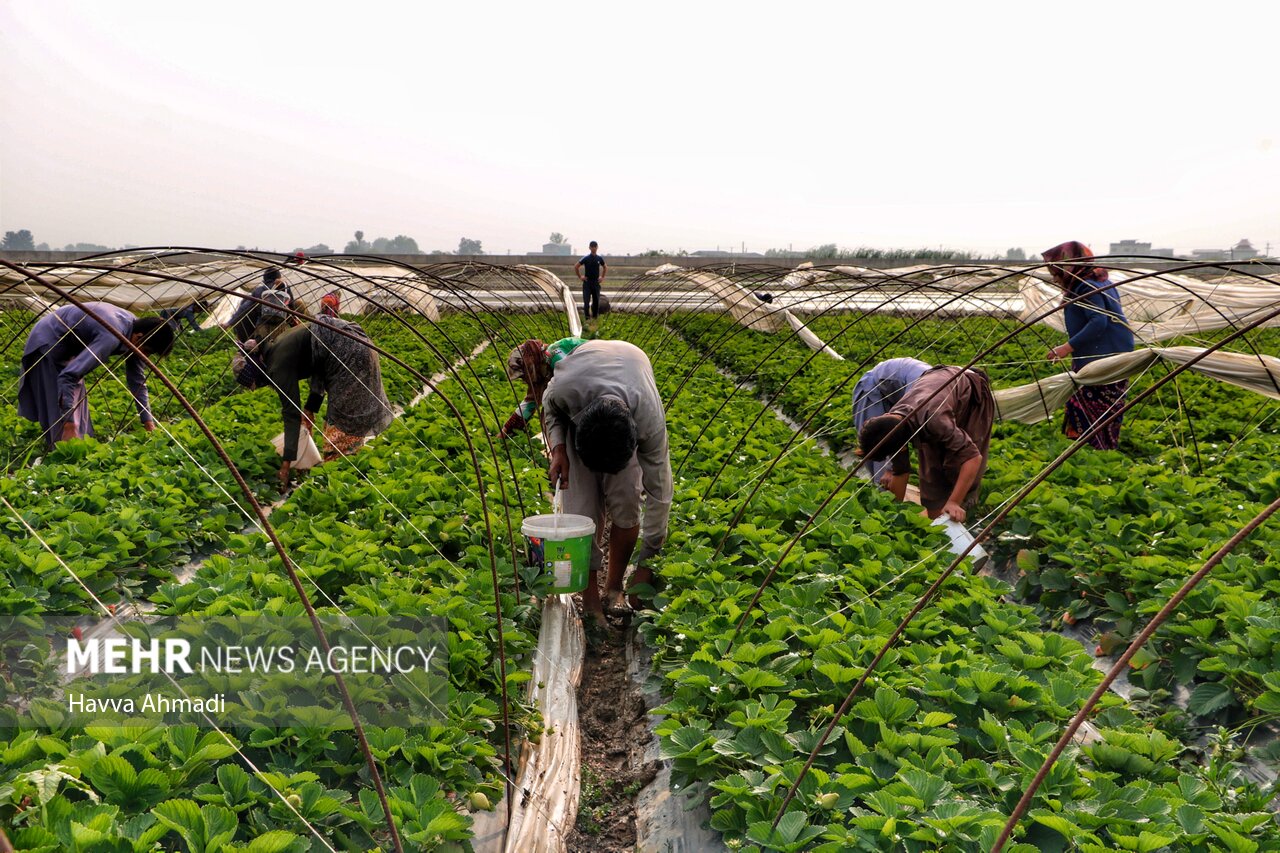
954,511
513,425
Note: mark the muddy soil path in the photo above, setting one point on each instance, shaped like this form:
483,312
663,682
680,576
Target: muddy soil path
615,732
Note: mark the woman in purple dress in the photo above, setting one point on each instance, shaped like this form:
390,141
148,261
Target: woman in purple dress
64,346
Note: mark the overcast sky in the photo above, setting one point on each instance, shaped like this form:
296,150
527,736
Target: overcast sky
655,125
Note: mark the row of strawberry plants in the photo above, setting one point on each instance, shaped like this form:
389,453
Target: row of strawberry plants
398,529
124,515
117,510
1115,532
1192,470
952,726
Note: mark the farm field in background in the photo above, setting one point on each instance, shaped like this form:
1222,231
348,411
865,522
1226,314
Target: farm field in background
932,755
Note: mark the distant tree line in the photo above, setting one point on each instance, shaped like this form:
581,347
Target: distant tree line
404,245
397,245
22,241
661,253
832,252
401,244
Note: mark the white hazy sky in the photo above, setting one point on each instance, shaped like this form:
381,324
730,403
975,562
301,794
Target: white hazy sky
660,125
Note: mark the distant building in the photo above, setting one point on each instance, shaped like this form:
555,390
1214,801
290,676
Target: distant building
1244,251
1130,247
717,253
1134,249
557,249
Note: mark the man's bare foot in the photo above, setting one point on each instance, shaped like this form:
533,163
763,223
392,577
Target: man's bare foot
613,602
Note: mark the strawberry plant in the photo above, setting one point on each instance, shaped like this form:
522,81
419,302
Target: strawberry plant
948,731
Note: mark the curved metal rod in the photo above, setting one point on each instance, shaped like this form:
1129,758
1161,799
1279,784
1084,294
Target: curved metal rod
457,414
1026,490
865,314
427,383
370,764
729,334
870,452
1118,667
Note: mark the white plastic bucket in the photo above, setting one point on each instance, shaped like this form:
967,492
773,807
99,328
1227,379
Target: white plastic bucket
566,542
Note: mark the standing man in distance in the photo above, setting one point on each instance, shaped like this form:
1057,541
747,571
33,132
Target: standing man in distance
591,271
607,430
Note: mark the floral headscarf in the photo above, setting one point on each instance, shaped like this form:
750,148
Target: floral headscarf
1074,273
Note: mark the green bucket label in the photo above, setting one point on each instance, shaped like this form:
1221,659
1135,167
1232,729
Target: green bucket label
560,559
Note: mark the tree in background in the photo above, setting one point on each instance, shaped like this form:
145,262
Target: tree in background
317,249
1015,255
85,247
42,247
18,241
357,246
398,245
556,238
467,246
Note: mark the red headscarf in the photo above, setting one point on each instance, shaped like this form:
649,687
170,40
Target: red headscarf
1073,273
329,304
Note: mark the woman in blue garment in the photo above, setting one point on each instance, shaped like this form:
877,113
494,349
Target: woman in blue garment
64,346
879,390
1096,328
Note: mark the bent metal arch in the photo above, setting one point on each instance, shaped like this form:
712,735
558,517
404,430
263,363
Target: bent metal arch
1238,333
163,284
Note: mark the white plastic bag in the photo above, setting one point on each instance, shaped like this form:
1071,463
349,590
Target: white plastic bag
308,453
960,537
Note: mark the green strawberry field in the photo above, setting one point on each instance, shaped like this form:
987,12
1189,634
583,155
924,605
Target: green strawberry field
781,580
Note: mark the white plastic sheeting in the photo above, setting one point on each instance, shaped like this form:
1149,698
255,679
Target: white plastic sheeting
744,307
556,289
949,277
1039,401
950,290
810,338
146,284
545,799
1167,305
136,287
